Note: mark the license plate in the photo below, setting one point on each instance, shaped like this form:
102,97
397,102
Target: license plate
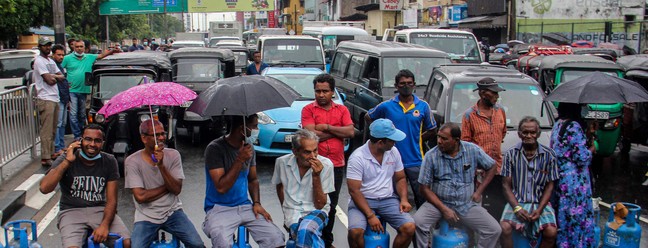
186,104
597,115
288,137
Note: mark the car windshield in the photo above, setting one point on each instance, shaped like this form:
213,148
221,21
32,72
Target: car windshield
213,41
197,70
516,95
569,75
302,83
14,67
292,51
458,46
111,85
421,67
241,58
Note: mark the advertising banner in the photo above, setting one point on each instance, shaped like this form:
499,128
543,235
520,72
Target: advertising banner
229,5
271,19
391,5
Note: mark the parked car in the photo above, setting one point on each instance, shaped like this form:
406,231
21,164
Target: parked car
550,71
364,71
450,93
291,51
197,69
635,115
462,46
13,66
215,40
276,126
119,72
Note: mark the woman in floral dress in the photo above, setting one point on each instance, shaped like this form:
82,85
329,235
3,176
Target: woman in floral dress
573,193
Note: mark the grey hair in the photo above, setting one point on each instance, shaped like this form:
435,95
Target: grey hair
303,134
146,126
455,129
529,119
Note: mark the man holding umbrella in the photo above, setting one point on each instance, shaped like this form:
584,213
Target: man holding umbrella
230,166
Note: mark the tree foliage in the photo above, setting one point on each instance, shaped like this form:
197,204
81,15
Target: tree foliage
17,16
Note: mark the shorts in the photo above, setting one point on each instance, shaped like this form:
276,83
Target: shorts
75,224
387,209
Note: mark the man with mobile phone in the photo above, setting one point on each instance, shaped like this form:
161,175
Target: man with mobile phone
88,179
304,179
230,169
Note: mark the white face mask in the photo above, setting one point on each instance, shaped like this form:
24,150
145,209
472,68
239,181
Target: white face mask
253,136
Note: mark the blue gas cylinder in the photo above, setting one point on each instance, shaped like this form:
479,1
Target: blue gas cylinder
376,239
242,238
451,237
162,242
520,241
119,241
628,234
20,239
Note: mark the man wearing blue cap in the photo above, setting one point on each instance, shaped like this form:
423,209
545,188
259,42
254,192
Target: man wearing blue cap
371,171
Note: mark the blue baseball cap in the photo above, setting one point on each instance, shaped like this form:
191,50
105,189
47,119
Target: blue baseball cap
384,128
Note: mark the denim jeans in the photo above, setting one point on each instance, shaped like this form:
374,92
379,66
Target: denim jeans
77,112
178,225
59,140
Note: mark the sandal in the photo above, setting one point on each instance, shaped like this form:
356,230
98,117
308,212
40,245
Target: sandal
57,154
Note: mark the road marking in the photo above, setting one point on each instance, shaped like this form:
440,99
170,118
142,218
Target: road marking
26,185
49,217
342,217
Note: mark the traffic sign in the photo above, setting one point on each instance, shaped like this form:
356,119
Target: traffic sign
133,7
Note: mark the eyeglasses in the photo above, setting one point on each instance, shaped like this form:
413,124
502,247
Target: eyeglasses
408,83
90,140
162,134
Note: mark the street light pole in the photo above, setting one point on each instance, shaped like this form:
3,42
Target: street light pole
59,21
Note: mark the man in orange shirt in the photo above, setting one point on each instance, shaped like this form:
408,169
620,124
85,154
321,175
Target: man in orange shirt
485,125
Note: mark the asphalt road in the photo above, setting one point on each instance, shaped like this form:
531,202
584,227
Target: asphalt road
618,178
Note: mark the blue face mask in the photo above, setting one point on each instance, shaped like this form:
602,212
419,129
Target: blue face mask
85,156
78,54
145,43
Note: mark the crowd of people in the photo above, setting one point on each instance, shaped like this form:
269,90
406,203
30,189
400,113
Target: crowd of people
532,189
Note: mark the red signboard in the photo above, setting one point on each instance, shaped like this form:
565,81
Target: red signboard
271,19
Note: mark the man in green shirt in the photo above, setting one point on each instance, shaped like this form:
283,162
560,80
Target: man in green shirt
77,64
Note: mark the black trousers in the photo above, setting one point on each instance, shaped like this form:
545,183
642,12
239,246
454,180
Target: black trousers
339,173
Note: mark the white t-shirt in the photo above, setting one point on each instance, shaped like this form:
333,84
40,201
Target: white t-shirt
45,91
376,178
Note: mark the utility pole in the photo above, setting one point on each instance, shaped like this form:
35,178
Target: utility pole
166,27
59,21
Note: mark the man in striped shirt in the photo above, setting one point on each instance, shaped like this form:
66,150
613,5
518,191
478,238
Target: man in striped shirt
529,171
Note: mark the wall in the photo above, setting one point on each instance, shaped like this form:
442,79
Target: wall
347,7
381,20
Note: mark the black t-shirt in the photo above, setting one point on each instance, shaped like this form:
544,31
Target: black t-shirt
85,186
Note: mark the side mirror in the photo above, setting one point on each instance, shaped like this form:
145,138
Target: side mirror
374,84
89,80
343,97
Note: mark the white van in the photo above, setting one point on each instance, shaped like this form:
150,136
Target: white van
291,51
462,46
13,66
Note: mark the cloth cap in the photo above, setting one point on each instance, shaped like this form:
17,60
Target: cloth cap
488,83
43,41
384,128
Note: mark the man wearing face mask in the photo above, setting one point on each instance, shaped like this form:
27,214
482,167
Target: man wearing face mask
145,44
412,116
230,170
485,125
77,64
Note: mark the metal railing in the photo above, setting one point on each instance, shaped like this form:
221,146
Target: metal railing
18,129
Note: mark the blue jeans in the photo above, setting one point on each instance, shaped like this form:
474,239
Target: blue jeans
178,225
59,140
77,112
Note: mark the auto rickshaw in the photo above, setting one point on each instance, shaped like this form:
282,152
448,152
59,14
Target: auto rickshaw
635,115
117,73
197,69
243,58
552,70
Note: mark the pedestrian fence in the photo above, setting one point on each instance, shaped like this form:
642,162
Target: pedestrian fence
18,130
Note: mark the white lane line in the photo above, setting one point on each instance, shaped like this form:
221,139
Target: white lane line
341,215
49,217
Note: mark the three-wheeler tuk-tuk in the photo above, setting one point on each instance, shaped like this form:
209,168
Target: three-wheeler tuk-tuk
117,73
243,58
197,69
551,71
635,115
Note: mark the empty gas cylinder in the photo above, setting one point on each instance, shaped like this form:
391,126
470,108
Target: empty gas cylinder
19,230
376,239
627,234
450,237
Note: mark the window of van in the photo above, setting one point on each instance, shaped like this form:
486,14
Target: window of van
277,51
339,64
458,46
401,39
421,67
355,68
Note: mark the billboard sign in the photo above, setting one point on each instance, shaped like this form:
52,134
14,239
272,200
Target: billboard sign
229,5
134,7
391,5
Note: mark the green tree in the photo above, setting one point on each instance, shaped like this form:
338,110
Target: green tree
17,16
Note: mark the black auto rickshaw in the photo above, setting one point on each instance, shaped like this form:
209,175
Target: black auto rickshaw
117,73
197,69
243,58
605,53
635,115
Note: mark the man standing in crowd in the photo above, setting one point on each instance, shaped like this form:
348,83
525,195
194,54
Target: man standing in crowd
230,166
88,180
257,67
145,44
529,171
303,181
77,64
58,53
332,123
374,170
155,175
411,115
136,46
484,124
447,182
46,76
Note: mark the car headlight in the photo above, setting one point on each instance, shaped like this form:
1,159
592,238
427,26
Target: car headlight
611,123
99,118
265,119
144,118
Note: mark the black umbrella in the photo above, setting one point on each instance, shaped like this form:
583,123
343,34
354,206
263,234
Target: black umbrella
598,87
243,95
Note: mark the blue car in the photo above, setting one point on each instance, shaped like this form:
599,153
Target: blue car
276,126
